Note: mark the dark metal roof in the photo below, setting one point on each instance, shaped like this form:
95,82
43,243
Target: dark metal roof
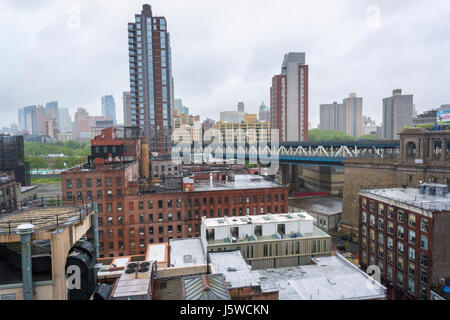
205,287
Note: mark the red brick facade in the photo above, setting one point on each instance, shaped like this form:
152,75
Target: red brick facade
400,242
128,221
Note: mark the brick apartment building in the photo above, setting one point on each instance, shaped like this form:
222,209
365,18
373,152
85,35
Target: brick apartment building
405,232
9,192
135,210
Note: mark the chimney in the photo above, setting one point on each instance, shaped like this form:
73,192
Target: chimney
145,161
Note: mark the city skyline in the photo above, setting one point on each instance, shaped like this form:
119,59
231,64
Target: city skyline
207,76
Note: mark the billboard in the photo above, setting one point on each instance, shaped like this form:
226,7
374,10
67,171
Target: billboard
443,117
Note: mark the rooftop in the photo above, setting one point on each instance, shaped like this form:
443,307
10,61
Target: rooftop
321,205
242,181
232,265
187,252
412,197
47,217
332,278
256,219
205,287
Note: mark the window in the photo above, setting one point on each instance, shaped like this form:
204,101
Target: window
411,253
364,217
69,195
400,247
78,183
372,234
380,238
423,276
400,232
69,184
150,230
412,236
364,230
390,257
160,230
400,216
160,204
89,183
108,182
380,209
424,224
411,268
99,182
390,212
110,221
364,203
424,242
372,205
400,263
424,260
399,279
118,181
390,227
380,252
390,243
141,205
412,220
380,223
389,273
119,220
150,204
372,220
411,285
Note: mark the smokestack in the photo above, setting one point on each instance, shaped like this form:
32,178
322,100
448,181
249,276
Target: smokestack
145,161
25,231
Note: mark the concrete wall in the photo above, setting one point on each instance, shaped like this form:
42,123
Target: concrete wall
41,291
182,271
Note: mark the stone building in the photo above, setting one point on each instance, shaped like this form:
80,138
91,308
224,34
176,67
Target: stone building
424,157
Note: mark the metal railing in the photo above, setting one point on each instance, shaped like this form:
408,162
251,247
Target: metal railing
73,214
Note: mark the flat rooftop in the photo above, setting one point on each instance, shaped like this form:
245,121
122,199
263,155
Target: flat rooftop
332,278
232,265
241,181
412,197
187,252
257,219
43,218
320,205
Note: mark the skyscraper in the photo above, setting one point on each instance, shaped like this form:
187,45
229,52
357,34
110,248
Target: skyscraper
264,113
52,108
180,108
65,124
344,117
354,115
398,112
109,107
151,83
241,107
127,108
332,116
289,99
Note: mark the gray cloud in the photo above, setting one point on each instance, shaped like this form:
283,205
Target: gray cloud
226,51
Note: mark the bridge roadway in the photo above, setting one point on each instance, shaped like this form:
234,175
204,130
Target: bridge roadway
307,153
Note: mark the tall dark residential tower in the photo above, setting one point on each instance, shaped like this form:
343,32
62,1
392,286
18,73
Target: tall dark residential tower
109,107
126,108
289,99
151,84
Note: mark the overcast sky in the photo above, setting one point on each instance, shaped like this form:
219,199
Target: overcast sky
224,52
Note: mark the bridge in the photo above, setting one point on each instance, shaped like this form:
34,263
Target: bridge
307,153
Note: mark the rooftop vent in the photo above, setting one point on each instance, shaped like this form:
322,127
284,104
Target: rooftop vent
187,258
